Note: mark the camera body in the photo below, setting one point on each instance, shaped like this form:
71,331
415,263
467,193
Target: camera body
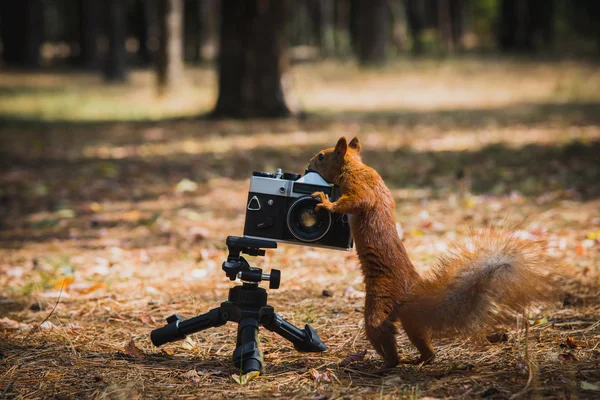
280,208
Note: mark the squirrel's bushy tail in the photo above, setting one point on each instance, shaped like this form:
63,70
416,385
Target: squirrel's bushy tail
486,281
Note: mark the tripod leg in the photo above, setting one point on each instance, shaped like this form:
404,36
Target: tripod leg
178,328
305,339
247,356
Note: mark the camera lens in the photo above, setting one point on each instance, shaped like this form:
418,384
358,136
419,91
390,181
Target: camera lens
306,223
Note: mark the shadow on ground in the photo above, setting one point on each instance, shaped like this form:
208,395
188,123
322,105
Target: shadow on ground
521,114
51,166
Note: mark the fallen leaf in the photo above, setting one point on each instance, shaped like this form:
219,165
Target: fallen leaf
570,357
319,376
463,367
46,326
571,343
198,233
65,213
351,293
359,356
9,324
588,243
146,319
191,215
186,185
539,321
133,351
393,381
589,386
244,379
426,225
87,288
199,273
73,327
191,375
64,282
416,232
593,235
188,343
89,208
131,216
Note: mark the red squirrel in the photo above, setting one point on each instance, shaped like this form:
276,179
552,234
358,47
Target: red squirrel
472,288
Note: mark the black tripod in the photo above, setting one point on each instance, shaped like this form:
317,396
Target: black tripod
247,305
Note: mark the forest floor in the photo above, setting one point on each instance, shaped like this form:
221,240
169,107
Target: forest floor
115,206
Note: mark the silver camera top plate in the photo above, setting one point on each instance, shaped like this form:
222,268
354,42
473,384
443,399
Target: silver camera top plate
284,187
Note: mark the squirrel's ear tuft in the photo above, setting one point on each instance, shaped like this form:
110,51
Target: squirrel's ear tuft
341,146
355,144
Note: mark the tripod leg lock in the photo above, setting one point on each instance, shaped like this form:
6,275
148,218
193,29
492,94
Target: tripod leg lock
305,339
247,356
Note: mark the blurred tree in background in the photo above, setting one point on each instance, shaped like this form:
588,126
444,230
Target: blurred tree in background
252,59
22,29
115,68
169,61
252,41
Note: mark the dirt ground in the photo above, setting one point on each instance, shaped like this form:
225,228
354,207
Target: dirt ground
112,220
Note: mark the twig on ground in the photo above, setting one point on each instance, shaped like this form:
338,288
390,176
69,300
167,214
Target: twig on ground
530,364
33,330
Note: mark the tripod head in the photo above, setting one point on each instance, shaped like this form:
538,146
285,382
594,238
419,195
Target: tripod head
237,267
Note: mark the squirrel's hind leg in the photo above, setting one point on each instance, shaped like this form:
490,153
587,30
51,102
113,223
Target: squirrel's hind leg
421,339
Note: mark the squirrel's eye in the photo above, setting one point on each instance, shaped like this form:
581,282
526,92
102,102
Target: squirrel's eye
321,157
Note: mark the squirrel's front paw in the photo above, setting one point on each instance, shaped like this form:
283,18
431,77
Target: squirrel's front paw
321,196
325,203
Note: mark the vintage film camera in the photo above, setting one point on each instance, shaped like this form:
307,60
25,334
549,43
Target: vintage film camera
280,208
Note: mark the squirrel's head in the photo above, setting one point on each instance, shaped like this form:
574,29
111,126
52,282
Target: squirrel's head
329,162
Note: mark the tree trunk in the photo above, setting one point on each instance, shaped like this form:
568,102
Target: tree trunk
115,69
415,25
373,31
142,28
518,25
192,49
88,34
199,28
542,16
445,25
321,12
22,32
354,19
507,35
252,59
341,17
398,24
170,52
457,15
